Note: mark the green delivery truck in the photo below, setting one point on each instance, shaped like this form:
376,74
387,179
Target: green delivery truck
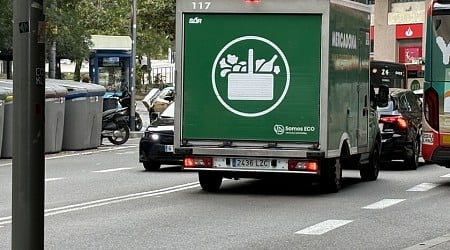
274,88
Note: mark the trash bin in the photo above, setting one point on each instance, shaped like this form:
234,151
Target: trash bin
54,116
4,93
7,138
83,114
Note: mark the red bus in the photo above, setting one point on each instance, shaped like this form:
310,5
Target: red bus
436,106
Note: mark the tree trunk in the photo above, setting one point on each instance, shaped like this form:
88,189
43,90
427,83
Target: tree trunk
77,73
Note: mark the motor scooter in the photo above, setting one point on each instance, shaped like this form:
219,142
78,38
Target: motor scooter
125,102
115,126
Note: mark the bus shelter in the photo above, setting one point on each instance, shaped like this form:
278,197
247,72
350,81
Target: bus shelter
110,61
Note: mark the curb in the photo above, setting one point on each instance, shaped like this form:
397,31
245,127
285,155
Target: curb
136,134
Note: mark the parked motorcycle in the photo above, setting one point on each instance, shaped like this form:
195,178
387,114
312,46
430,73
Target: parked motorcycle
115,126
125,102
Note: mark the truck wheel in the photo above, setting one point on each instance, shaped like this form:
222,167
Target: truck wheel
209,182
413,162
331,176
369,172
151,165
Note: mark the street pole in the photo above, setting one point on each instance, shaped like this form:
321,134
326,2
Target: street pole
133,69
28,163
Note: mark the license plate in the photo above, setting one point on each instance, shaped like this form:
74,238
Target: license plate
168,148
250,163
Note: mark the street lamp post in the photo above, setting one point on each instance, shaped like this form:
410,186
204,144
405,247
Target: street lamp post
133,68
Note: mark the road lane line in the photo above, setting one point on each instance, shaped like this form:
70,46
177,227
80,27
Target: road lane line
53,179
112,200
422,187
383,203
110,170
446,176
323,227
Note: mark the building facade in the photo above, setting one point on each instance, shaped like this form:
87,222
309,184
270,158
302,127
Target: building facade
397,34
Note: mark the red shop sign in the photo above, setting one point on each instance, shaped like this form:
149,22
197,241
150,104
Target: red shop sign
405,31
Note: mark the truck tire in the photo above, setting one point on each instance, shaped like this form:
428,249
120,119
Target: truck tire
209,182
369,172
331,176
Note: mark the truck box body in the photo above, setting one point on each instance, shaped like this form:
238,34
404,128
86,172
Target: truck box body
272,80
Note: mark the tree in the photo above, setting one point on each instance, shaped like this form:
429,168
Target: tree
70,24
6,24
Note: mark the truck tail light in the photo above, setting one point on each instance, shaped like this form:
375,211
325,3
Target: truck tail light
400,122
311,166
192,162
252,1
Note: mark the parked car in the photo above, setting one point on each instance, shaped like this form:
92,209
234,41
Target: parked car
148,99
156,145
401,128
162,101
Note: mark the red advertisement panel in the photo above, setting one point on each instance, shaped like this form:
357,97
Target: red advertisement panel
407,31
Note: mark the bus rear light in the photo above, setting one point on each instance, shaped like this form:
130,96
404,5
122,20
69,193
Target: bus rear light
192,162
311,166
431,108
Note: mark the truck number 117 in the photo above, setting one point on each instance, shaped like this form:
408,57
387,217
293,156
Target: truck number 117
200,5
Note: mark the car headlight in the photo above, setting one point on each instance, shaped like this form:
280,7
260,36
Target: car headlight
154,137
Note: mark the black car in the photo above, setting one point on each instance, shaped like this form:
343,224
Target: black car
401,128
156,145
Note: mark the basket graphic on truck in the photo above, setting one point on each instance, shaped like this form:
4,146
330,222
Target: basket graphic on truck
251,81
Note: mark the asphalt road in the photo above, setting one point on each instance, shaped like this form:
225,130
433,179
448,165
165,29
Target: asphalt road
103,199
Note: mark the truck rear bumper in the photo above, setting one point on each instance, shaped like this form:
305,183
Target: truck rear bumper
256,174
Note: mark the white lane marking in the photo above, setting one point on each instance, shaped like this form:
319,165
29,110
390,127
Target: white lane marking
52,179
323,227
95,151
430,243
446,176
110,170
422,187
126,153
383,203
112,200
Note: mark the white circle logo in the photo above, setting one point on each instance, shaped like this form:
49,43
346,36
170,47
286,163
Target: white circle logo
258,84
279,129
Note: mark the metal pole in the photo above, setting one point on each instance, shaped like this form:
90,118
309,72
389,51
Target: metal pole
133,69
28,164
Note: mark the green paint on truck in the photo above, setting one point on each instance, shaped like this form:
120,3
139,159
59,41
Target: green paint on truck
248,81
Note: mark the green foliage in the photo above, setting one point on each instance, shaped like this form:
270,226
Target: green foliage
70,24
6,24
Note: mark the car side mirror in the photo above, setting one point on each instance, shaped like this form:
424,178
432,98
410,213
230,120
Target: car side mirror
383,96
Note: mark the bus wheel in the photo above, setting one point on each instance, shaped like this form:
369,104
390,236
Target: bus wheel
209,182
